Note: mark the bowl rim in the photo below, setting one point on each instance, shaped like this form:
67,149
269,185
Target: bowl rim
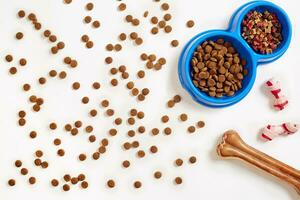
184,66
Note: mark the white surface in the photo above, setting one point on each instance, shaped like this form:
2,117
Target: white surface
210,178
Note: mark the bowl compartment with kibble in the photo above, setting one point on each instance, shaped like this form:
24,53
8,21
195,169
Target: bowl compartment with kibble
234,35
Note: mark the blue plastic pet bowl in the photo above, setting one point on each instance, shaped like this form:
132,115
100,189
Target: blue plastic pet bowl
233,35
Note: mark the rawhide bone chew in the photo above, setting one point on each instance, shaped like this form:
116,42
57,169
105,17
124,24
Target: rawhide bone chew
271,131
233,146
280,101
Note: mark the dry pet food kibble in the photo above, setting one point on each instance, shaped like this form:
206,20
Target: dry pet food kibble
217,68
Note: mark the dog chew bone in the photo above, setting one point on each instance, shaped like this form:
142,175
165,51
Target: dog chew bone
233,146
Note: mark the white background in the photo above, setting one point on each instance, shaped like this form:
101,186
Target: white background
210,178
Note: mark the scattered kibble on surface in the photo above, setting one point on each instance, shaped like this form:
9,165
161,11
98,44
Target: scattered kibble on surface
129,121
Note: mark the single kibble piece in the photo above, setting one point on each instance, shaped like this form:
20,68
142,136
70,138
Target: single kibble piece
96,155
104,142
82,157
177,98
62,74
22,114
165,118
24,171
174,43
122,36
110,183
42,80
192,159
178,180
167,17
113,132
85,38
21,13
18,163
128,18
122,7
89,6
168,29
81,177
89,129
66,187
190,23
52,38
84,184
167,131
85,100
135,144
56,141
54,182
133,35
67,177
200,124
32,180
87,19
154,30
110,112
141,129
105,103
52,73
146,13
114,82
74,180
155,131
47,33
52,126
178,162
60,152
153,149
93,112
8,58
141,153
76,85
183,117
22,122
157,174
22,61
126,145
73,63
170,103
96,24
44,164
140,115
130,85
11,182
126,163
19,35
165,6
137,184
32,134
39,153
89,44
141,74
108,60
191,129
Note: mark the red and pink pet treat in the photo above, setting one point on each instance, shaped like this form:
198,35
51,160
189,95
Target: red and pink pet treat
271,131
280,101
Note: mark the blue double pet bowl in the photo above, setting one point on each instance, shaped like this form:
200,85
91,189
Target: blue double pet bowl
233,35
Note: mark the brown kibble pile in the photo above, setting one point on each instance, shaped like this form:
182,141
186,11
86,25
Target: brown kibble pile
217,68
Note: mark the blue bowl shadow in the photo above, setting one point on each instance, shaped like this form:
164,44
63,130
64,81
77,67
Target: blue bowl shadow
233,35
